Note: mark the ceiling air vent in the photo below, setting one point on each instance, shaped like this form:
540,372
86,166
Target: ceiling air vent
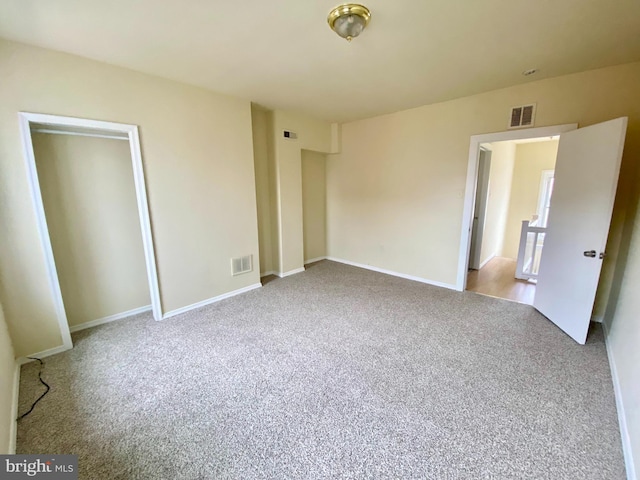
522,116
241,265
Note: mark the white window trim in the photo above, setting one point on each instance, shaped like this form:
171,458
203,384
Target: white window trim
545,177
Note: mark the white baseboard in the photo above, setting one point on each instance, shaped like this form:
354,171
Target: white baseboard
266,274
622,418
314,260
110,318
489,258
13,433
43,354
290,272
395,274
82,326
597,319
209,301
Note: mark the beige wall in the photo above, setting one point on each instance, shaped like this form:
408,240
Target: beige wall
274,202
531,160
90,203
264,186
500,175
312,134
623,321
314,204
396,192
198,159
7,376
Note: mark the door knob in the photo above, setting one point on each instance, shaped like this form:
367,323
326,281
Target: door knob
590,253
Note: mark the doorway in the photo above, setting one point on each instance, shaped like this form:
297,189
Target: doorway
32,126
314,206
472,180
584,185
512,204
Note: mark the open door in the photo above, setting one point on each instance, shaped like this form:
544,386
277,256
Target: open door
586,178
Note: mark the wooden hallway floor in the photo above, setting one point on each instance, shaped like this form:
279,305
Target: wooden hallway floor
496,279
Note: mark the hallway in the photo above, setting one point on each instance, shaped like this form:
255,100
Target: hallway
496,279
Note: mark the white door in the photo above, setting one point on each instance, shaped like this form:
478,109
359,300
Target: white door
586,178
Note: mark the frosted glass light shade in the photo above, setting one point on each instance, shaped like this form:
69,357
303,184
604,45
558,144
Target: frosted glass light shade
349,20
349,26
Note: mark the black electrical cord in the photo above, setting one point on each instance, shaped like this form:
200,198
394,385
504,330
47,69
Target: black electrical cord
41,396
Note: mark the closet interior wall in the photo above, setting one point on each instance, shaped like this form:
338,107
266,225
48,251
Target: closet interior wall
90,206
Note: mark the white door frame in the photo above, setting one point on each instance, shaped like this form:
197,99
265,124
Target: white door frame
472,179
92,128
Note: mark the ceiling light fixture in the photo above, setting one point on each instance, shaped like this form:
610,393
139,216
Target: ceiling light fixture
349,20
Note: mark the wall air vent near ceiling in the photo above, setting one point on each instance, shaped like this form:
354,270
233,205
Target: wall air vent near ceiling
522,116
241,265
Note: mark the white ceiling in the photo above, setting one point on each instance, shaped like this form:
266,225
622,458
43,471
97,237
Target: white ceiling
281,53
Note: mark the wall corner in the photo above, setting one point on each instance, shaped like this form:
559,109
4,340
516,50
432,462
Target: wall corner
336,138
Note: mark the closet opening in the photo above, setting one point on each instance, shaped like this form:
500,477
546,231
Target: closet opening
314,206
89,196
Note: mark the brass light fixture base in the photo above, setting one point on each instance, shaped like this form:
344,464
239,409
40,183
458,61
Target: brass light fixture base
349,10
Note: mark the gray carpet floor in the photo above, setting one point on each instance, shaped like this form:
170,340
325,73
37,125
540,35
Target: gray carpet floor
336,372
